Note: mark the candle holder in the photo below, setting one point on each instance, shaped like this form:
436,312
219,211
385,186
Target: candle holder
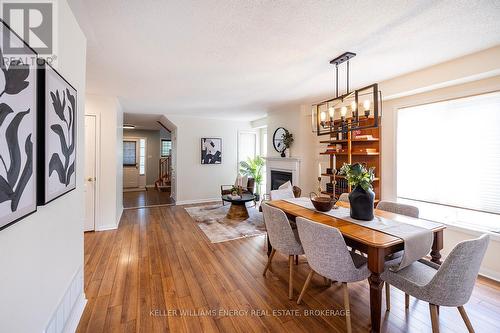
319,185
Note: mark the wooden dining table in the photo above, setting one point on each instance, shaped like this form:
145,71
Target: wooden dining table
376,244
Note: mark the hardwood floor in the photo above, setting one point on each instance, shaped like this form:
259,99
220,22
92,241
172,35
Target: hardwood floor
158,263
151,197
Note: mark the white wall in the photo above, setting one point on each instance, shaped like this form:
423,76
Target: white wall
40,255
197,182
110,159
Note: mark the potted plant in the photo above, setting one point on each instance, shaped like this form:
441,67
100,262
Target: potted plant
362,197
252,167
287,142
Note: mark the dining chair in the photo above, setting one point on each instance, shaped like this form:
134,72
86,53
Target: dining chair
282,238
449,284
327,255
403,209
344,197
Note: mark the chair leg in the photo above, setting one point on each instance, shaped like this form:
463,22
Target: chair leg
434,318
296,260
306,284
290,282
387,297
407,301
269,261
466,319
347,307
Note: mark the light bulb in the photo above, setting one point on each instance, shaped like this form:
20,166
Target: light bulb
366,104
343,111
323,116
354,106
331,111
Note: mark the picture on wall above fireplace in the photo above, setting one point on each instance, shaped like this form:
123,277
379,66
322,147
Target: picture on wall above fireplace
57,133
18,135
211,150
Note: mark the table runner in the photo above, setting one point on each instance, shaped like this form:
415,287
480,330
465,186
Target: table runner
417,240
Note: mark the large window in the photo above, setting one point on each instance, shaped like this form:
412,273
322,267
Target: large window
166,147
247,145
448,160
129,153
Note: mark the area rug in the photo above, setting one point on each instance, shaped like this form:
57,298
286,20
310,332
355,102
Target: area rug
212,220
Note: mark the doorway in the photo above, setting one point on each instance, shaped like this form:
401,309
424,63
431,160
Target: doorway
90,171
134,164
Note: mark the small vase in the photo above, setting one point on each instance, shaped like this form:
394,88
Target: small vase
361,202
283,153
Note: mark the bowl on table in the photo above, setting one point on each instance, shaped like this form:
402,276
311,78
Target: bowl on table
321,203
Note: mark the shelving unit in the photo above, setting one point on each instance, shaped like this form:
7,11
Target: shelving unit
354,151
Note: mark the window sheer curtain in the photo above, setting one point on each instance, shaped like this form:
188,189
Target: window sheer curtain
448,153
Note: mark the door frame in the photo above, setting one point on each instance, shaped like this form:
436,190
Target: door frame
138,158
97,208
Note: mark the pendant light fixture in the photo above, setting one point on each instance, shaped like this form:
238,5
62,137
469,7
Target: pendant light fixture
354,110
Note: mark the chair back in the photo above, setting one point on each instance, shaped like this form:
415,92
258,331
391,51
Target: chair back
279,231
344,197
398,208
250,185
326,251
454,281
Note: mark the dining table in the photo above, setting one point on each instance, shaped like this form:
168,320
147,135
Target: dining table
377,245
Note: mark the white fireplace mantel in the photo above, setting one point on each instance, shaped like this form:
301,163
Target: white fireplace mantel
287,164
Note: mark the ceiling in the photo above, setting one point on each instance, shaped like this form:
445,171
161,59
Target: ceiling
143,121
240,59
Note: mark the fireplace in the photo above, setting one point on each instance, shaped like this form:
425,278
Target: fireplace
278,178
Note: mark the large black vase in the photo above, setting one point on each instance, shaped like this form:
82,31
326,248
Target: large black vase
361,202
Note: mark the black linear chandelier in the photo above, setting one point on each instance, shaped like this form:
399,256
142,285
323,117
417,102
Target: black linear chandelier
342,113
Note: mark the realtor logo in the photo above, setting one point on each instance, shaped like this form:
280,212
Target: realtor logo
33,22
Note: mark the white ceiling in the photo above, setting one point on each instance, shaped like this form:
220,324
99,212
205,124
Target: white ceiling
239,59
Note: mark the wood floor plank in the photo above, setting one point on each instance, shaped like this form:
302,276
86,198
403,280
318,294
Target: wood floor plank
158,272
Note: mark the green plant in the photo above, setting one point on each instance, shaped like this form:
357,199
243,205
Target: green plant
287,139
357,175
252,167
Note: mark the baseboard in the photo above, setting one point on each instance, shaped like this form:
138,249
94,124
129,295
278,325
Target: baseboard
490,274
106,227
70,308
195,201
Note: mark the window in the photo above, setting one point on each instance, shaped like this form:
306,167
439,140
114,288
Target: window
129,151
166,146
448,160
142,157
246,146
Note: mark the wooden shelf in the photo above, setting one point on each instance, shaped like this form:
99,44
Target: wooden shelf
353,140
343,177
333,141
332,153
365,140
365,153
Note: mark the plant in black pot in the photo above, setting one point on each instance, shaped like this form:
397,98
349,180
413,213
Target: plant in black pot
362,196
252,167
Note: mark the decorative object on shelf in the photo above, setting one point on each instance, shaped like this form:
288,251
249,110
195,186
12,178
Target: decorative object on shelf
57,135
211,150
362,198
342,113
322,204
18,140
252,167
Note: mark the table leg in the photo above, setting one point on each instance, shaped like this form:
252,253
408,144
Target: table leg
376,266
437,246
237,212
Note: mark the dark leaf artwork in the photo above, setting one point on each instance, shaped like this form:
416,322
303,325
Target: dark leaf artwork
13,187
64,169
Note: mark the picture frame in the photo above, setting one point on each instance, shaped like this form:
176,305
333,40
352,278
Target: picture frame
211,150
57,128
18,130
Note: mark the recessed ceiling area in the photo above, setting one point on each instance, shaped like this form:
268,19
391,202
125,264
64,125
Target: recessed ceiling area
240,59
143,121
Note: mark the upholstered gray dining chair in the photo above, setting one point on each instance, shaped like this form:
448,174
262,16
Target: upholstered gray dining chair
344,197
282,238
450,284
403,209
327,255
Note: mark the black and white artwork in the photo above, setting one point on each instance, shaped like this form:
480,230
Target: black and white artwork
18,137
58,136
211,151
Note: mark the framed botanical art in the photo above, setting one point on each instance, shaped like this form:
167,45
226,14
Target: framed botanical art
57,135
211,150
18,130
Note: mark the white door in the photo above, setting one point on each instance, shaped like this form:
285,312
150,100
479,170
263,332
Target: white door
90,172
134,162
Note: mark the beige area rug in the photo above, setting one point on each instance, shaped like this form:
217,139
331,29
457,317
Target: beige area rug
212,220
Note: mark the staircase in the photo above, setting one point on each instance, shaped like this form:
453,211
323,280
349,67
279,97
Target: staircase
163,183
